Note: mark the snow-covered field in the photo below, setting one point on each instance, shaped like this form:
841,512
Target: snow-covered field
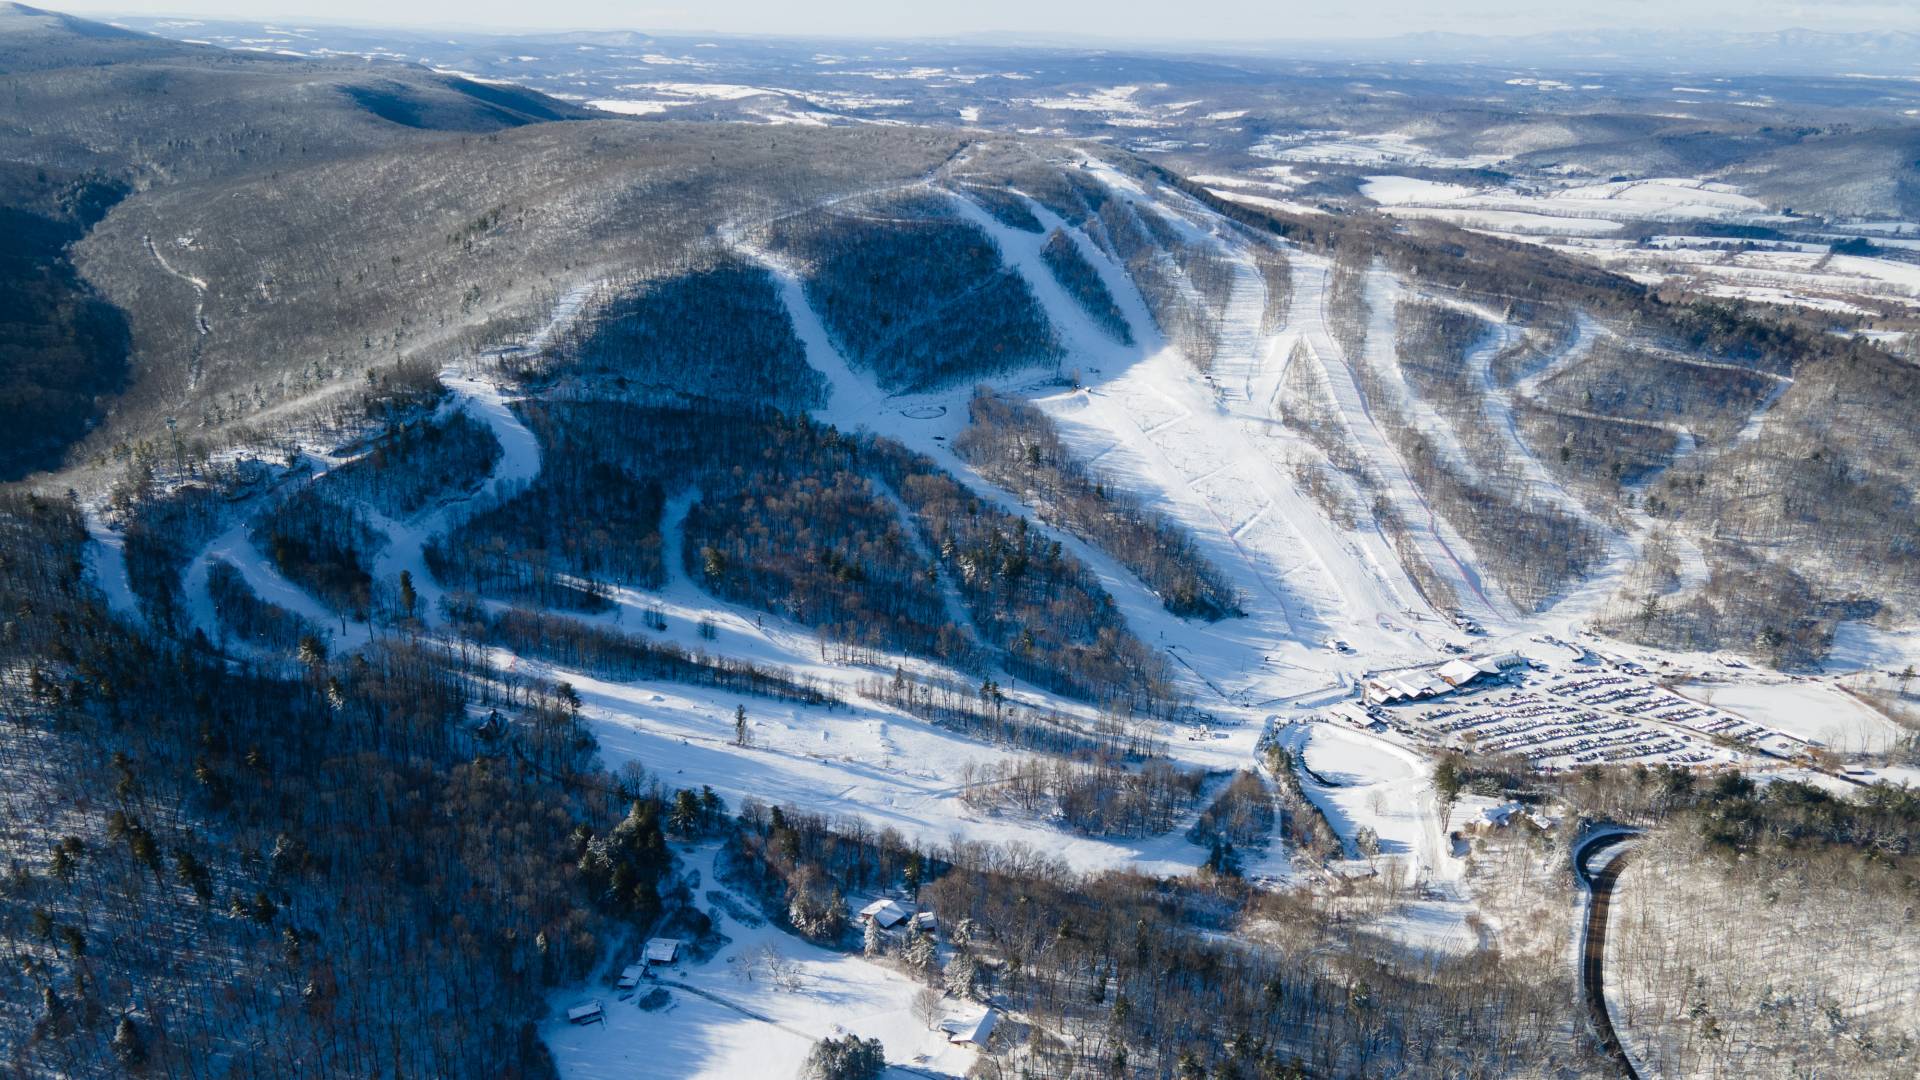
1815,711
1581,217
1659,199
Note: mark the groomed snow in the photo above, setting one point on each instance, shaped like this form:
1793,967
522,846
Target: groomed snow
1376,783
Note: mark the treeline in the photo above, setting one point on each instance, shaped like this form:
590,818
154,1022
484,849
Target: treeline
252,620
1759,605
1240,817
790,525
800,865
915,295
1006,206
716,329
325,547
592,519
1046,613
1636,383
1276,274
583,526
412,462
1881,822
1302,823
1125,975
1016,446
165,530
1431,341
1101,797
1083,282
617,655
989,715
1155,257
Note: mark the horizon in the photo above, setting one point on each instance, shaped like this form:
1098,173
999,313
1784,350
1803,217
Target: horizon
1062,22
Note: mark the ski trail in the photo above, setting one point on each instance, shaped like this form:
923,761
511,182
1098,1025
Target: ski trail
199,286
852,400
235,547
1497,407
1086,342
405,544
1430,536
1242,352
106,557
1207,462
1304,554
1382,359
1755,422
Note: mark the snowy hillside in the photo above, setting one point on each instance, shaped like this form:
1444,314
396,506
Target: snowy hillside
809,593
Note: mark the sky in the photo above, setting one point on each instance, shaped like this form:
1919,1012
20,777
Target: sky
1124,20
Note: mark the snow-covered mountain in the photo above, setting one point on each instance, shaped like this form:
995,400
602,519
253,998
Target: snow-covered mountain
730,575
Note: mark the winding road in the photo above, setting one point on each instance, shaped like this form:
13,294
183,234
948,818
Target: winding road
1597,862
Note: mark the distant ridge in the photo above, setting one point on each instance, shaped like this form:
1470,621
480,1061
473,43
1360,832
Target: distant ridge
1786,52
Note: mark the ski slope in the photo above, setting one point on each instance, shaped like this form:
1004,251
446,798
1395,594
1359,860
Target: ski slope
1209,450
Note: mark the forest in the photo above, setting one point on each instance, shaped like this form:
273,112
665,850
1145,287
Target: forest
214,868
62,348
914,294
1015,445
712,331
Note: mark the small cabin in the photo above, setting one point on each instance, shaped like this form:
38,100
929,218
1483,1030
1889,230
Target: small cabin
972,1032
662,950
587,1012
925,922
630,976
884,913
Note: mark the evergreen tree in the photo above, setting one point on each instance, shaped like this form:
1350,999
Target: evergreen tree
923,957
847,1058
686,812
963,976
127,1044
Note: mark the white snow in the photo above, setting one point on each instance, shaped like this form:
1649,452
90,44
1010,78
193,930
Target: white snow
1815,711
1400,190
632,107
1266,202
1373,782
737,1015
106,558
1521,221
1345,148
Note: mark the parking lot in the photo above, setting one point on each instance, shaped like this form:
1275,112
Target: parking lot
1561,719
